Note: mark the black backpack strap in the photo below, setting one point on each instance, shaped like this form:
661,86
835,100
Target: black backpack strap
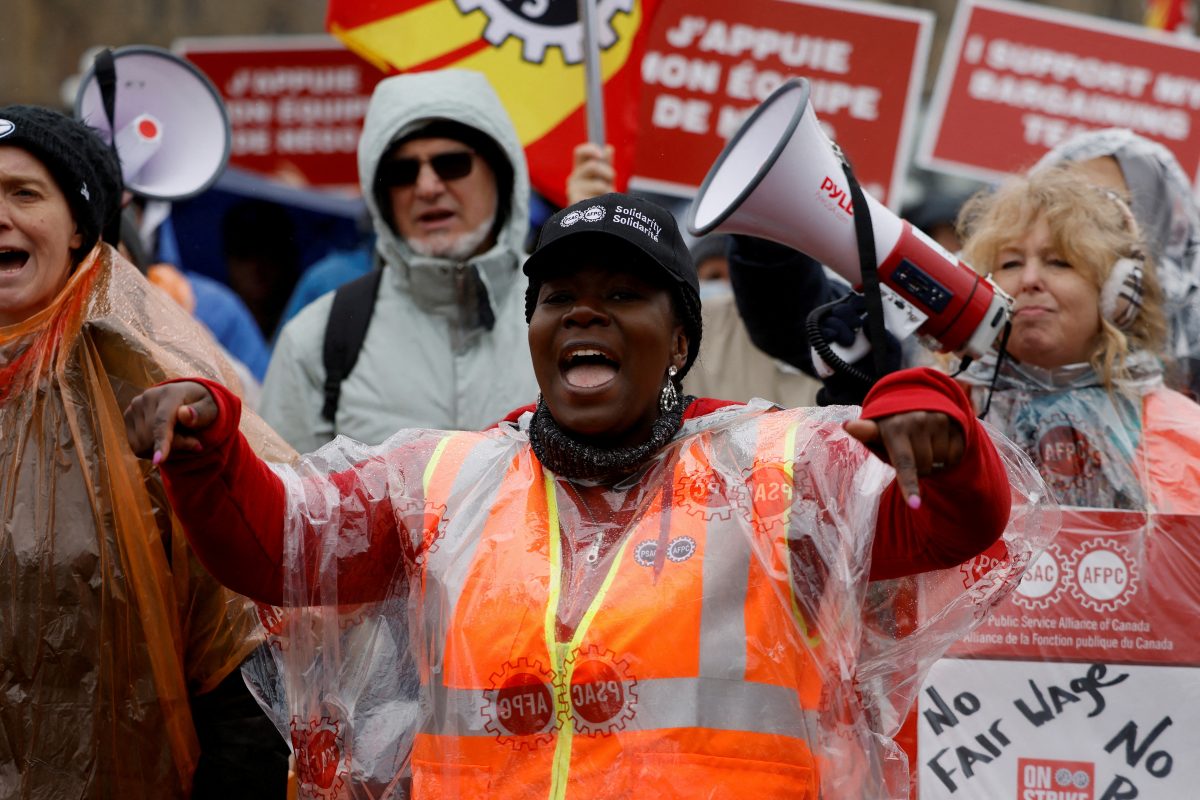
349,318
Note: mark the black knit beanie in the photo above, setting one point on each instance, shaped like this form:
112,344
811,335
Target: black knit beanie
84,167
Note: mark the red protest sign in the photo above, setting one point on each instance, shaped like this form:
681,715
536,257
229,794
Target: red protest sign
708,63
1081,684
1113,586
296,103
1017,79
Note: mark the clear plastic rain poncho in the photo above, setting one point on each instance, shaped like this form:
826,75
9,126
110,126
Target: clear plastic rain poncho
705,628
1133,447
1164,204
107,623
1085,681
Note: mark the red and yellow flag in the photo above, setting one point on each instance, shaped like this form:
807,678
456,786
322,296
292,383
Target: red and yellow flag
1169,15
530,50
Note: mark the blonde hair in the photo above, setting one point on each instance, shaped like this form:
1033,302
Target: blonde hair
1092,228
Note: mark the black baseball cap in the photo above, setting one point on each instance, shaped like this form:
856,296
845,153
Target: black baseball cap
635,220
628,221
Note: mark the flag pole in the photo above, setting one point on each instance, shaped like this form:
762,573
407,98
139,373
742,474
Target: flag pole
593,81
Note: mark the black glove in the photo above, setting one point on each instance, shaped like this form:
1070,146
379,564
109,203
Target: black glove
840,324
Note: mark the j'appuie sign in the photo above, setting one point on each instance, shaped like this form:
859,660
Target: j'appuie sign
709,63
1085,683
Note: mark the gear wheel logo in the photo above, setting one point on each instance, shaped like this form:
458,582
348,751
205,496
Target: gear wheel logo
679,549
1066,451
994,558
593,213
771,493
602,695
421,526
1043,583
571,218
273,620
706,494
542,24
321,760
519,707
1103,576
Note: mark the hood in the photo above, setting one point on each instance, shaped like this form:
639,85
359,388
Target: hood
404,103
1161,197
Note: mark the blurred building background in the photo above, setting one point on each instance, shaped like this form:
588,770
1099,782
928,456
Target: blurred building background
42,41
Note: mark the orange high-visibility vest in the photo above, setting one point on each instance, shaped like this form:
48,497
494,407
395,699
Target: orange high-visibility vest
689,675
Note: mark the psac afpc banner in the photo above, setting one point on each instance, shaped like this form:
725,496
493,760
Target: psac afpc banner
1016,79
1085,683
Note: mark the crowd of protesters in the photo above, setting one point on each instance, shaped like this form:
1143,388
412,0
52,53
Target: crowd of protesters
522,478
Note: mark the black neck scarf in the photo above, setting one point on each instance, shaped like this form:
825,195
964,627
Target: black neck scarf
562,454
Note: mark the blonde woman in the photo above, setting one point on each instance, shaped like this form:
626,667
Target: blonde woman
1082,390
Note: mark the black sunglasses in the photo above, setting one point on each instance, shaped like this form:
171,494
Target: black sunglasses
401,172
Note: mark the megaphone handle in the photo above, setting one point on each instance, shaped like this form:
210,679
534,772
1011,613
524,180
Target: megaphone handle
865,234
825,351
106,79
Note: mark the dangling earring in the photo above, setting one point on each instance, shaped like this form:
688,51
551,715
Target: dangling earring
668,400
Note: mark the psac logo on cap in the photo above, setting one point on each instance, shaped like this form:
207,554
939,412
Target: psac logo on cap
591,214
6,128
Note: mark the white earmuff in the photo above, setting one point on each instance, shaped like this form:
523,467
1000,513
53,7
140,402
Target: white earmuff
1122,292
1121,295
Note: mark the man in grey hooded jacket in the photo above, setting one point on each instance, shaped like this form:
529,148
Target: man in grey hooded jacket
445,181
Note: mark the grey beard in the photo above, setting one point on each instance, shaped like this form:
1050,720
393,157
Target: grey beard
457,248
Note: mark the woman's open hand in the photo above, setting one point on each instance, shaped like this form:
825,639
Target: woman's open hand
165,418
916,443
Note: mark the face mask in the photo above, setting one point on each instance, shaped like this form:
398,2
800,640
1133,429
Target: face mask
713,289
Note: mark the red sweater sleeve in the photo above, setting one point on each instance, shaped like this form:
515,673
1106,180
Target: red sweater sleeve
233,506
963,509
240,543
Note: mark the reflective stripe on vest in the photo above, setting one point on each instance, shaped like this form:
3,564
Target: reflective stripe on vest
726,658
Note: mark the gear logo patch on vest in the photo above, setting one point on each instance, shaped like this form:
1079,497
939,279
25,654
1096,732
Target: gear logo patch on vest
602,694
679,549
771,488
320,757
271,619
520,708
424,525
706,494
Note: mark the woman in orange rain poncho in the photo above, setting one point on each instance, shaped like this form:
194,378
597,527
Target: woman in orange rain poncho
119,655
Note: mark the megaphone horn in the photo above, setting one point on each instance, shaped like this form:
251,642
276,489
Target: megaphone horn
168,123
780,178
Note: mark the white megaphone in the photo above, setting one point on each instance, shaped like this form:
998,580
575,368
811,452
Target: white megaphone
171,130
780,178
